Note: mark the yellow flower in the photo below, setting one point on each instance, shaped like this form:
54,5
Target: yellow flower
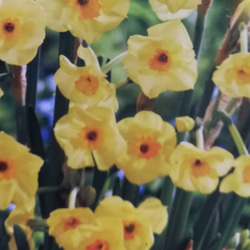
198,170
163,60
150,142
20,216
140,223
85,85
64,224
184,123
91,131
17,166
106,234
22,30
85,19
239,180
176,5
233,75
162,11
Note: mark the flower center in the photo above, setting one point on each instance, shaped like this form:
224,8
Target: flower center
71,223
160,61
91,137
87,84
7,169
131,228
10,29
199,168
246,175
243,76
147,147
98,245
87,9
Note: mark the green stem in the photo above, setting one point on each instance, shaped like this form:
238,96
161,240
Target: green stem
175,238
72,197
199,136
38,225
130,191
243,37
231,104
111,64
44,190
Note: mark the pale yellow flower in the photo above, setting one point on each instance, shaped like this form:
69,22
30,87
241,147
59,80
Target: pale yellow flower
85,85
198,170
17,166
1,92
20,216
85,19
239,180
233,75
162,11
150,142
163,60
90,133
184,123
22,30
139,224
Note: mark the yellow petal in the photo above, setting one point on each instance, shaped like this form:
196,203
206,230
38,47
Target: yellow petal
156,213
7,189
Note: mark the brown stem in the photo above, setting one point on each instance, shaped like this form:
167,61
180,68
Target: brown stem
144,103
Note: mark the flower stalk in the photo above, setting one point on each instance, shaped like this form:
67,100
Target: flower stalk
115,61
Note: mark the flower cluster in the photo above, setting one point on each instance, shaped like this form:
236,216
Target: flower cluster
116,224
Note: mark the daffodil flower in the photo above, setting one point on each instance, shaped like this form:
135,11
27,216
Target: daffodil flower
233,75
16,166
20,215
184,123
1,93
162,61
162,9
22,30
82,133
150,142
85,85
193,169
239,180
85,19
139,224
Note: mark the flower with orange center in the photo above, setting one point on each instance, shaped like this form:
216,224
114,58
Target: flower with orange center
64,224
86,19
239,180
193,169
85,85
150,142
16,166
22,30
163,60
20,216
233,75
90,133
139,224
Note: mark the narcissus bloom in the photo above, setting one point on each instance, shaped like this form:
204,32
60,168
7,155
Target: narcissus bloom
91,131
139,224
85,85
184,123
150,142
239,180
233,75
106,234
163,60
22,30
62,222
161,9
85,19
176,5
17,166
20,216
1,92
198,170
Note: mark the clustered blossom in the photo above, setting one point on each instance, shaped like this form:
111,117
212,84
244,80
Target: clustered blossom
115,224
143,146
